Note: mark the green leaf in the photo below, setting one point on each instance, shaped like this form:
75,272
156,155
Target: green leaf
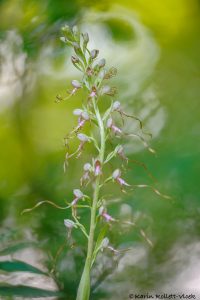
18,266
14,248
98,242
26,291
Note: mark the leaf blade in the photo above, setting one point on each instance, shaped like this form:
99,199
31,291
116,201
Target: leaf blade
19,266
26,291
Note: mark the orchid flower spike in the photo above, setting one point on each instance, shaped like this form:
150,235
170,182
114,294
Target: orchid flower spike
117,177
105,215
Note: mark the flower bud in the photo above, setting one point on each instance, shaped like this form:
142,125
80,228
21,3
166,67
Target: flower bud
87,167
77,49
86,38
85,115
77,112
116,173
105,215
94,53
82,137
101,210
69,223
75,30
116,105
105,89
67,31
75,59
105,243
76,84
109,123
102,63
63,39
77,193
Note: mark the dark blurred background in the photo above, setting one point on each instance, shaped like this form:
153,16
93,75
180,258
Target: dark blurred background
155,46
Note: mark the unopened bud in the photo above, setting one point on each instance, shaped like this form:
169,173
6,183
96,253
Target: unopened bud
102,63
94,53
101,210
76,84
63,39
77,112
109,123
120,149
116,173
106,89
116,105
75,59
86,37
67,31
69,223
66,28
82,137
77,49
75,30
87,167
105,243
77,193
85,115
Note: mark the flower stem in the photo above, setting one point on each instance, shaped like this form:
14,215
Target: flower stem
84,286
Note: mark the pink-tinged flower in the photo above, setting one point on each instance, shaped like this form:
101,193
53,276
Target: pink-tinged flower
97,168
103,213
93,92
86,175
113,127
89,71
77,85
83,139
69,224
78,195
106,244
121,153
83,117
117,177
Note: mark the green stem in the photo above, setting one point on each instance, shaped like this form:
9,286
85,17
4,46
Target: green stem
84,286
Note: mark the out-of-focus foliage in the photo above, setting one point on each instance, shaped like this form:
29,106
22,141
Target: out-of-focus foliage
155,45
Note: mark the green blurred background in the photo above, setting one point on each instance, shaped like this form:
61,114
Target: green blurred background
155,46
